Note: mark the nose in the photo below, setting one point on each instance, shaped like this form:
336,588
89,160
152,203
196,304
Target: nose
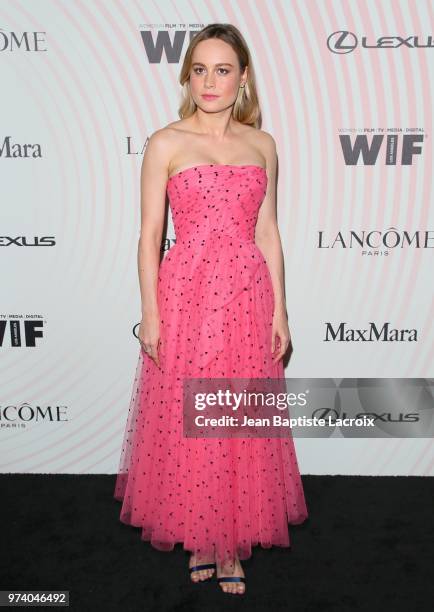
209,81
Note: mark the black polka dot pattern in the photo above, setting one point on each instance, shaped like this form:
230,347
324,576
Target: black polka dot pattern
217,496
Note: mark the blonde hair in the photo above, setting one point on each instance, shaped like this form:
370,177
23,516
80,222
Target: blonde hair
246,108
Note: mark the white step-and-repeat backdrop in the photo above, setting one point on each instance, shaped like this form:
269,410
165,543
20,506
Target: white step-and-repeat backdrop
346,89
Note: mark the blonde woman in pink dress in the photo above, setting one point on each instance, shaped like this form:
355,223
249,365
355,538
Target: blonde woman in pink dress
214,308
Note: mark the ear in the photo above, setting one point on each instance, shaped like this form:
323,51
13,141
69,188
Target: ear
244,76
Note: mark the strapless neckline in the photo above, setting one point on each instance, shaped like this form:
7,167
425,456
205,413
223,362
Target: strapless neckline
212,166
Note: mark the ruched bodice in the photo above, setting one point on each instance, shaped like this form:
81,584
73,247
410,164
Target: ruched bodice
208,201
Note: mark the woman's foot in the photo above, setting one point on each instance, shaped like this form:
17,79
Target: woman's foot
231,587
202,574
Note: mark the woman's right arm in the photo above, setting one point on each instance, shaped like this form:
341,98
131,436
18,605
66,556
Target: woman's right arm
153,180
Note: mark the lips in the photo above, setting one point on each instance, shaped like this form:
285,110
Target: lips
209,97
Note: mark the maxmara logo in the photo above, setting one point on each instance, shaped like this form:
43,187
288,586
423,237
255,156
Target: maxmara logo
386,333
368,240
344,41
157,42
22,41
9,149
396,149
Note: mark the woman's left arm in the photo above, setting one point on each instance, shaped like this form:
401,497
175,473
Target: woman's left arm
267,239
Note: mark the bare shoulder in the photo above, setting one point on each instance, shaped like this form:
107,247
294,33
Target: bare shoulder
162,144
174,129
180,125
162,137
266,142
262,139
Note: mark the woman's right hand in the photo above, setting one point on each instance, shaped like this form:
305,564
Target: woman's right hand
149,336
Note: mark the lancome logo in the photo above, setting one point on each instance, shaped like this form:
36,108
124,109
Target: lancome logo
411,145
17,416
27,41
8,149
372,242
371,334
344,41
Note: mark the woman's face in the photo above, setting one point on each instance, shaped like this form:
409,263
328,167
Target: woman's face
215,72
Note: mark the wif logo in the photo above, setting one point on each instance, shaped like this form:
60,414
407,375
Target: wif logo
15,332
394,153
157,43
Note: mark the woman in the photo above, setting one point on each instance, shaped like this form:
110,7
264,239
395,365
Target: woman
215,307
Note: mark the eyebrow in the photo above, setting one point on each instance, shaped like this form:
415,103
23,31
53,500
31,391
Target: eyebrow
221,64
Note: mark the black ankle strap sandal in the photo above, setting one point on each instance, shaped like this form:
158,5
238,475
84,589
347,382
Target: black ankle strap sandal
197,568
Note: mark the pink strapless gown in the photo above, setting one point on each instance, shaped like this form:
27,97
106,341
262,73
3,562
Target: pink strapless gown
216,496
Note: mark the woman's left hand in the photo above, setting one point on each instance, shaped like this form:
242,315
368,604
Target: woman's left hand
280,335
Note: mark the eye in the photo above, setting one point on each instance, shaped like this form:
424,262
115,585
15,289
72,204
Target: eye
198,68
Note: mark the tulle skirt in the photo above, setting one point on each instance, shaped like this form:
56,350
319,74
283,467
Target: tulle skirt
217,496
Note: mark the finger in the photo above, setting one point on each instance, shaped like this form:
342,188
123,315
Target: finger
277,344
279,355
154,355
147,348
283,349
157,353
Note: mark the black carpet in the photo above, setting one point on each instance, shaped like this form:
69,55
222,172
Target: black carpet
368,545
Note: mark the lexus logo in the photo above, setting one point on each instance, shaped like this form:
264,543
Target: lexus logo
344,41
335,42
